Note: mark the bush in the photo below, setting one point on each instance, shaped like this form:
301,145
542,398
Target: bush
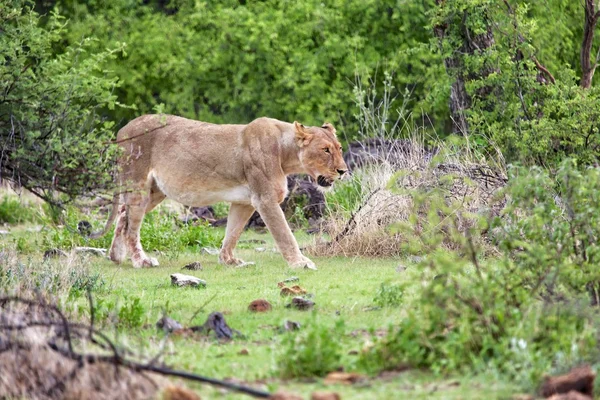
522,313
159,232
52,133
389,295
67,279
132,313
14,211
314,351
274,58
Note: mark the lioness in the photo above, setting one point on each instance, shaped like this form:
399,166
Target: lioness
198,163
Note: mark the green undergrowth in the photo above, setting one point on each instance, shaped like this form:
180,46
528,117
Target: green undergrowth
357,300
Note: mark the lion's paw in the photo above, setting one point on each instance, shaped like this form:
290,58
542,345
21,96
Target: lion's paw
232,261
304,263
146,262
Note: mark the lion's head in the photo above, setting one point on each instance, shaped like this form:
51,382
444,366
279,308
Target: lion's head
321,153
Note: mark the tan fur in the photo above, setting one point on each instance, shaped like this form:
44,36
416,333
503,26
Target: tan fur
197,164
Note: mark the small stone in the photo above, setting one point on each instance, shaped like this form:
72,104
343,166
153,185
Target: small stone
260,249
168,324
186,280
91,250
211,251
193,266
291,279
415,259
291,325
260,305
400,268
54,253
245,264
244,352
4,232
301,304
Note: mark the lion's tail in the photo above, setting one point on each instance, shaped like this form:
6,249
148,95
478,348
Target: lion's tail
111,218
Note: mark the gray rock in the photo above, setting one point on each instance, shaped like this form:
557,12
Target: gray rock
168,324
186,280
291,325
211,251
54,253
193,266
300,303
91,250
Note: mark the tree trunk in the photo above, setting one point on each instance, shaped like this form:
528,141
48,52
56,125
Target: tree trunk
471,44
587,69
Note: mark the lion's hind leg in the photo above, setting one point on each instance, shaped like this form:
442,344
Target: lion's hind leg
118,249
138,204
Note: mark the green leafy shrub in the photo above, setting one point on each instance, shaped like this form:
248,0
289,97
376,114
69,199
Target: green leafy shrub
522,313
389,295
346,196
275,58
83,283
132,313
52,132
14,211
64,279
313,351
159,231
61,229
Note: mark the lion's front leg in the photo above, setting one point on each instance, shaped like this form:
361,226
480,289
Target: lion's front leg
275,220
239,214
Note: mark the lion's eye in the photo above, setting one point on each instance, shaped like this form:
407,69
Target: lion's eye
326,149
341,148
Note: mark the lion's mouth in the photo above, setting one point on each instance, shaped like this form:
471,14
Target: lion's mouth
324,182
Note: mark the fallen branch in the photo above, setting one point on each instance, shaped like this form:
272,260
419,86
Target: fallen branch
59,339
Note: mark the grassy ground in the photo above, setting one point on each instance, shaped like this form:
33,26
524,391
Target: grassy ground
342,288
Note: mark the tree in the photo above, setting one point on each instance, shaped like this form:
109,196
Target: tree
53,137
590,22
464,30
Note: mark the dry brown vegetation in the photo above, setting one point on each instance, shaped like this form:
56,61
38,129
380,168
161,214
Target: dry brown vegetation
388,182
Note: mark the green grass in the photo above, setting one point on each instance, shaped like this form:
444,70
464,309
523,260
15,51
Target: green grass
347,289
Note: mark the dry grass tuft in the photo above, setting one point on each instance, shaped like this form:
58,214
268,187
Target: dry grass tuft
386,185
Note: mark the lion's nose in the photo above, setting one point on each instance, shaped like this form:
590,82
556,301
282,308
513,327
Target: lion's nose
342,171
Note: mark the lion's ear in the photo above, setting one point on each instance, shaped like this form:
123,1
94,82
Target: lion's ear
329,127
303,136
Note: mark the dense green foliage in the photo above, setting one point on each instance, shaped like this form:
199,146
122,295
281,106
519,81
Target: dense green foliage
52,132
223,61
523,313
229,61
315,351
159,232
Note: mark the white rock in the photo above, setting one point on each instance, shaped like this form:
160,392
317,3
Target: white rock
91,250
212,252
186,280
